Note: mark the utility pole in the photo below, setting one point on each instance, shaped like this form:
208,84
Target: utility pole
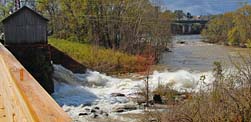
17,4
20,3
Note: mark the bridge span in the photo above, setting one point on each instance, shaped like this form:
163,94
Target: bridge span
22,99
188,26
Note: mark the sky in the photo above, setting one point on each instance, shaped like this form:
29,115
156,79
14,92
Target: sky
199,7
203,7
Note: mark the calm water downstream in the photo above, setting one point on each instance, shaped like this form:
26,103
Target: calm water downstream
195,55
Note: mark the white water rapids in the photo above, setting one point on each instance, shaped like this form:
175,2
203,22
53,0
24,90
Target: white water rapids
74,91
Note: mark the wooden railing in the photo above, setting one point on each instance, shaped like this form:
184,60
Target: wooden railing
23,99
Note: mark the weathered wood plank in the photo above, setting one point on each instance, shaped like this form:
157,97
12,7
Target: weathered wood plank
3,117
15,107
25,100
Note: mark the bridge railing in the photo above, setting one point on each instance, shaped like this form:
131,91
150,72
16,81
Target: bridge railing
23,98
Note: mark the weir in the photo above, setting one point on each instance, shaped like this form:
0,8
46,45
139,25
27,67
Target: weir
21,96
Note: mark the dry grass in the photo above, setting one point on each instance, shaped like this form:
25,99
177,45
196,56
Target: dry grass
100,59
228,100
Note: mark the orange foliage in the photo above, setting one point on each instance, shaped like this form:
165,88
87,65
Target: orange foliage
146,60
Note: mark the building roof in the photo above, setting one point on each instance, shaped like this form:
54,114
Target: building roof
22,9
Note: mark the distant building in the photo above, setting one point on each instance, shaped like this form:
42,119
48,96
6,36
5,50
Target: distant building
25,26
196,17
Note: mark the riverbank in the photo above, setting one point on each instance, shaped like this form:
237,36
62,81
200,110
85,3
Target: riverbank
225,43
100,59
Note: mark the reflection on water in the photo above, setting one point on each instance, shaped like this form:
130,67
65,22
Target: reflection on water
190,53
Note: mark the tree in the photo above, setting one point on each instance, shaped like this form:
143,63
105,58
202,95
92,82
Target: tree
5,11
242,26
232,28
189,15
218,28
179,14
125,25
50,9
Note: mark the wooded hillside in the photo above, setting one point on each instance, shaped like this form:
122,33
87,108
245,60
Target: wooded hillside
128,25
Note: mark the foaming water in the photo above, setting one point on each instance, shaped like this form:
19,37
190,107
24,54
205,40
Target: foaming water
96,89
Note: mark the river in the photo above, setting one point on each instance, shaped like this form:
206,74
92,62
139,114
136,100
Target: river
195,55
79,94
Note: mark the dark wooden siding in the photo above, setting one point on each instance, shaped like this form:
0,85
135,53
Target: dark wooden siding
25,27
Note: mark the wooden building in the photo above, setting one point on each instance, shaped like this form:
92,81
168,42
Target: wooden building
25,26
25,36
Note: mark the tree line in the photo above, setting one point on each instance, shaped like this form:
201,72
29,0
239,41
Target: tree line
232,28
126,25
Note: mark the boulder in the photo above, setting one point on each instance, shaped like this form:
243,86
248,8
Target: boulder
82,114
168,49
96,108
157,99
93,111
126,107
119,110
117,95
105,114
87,109
130,107
181,42
93,115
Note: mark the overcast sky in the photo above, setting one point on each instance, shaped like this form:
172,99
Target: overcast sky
203,7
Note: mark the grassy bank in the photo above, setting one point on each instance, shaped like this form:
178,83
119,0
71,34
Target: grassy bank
100,59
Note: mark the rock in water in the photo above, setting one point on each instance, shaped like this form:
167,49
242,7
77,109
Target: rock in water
124,108
181,42
96,108
82,114
119,110
168,49
93,111
87,109
117,95
93,115
105,114
157,99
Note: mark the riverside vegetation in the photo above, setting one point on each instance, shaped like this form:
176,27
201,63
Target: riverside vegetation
128,26
227,99
232,28
99,58
109,36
